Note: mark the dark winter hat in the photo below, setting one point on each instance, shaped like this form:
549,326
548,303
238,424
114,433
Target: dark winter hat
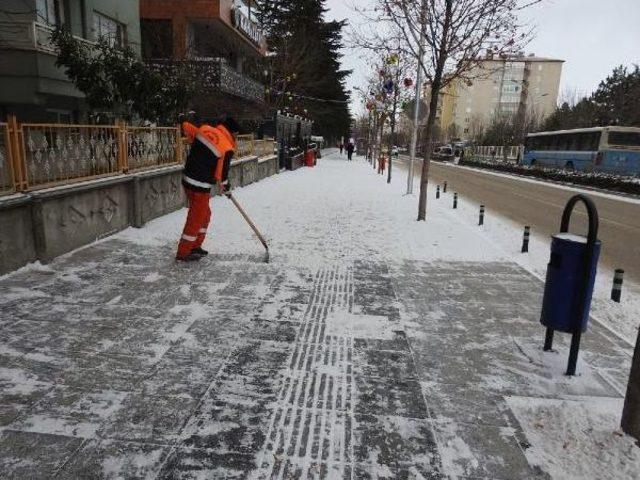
230,124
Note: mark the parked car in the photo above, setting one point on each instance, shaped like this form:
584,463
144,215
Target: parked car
444,153
395,151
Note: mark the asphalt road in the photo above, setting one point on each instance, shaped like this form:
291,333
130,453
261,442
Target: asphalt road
540,205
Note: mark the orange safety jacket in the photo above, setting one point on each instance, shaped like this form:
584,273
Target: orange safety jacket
212,149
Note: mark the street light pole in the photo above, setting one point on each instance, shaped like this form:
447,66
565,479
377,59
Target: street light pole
416,111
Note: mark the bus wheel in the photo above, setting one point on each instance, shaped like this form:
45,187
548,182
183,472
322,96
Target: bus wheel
569,167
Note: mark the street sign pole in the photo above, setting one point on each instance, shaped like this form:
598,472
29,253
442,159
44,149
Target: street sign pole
416,112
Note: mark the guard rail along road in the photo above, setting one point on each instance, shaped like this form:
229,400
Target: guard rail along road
63,186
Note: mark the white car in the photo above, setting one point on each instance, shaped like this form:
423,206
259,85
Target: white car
395,151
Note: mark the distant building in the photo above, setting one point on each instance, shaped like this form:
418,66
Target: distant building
221,40
31,86
500,86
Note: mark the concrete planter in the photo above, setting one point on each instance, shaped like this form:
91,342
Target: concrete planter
294,162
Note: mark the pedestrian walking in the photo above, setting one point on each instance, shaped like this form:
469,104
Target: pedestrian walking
341,145
212,149
382,164
351,146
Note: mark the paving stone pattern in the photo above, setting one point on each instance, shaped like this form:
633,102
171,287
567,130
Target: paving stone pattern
117,363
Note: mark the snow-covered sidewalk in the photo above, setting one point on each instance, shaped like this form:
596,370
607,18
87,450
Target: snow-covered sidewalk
372,346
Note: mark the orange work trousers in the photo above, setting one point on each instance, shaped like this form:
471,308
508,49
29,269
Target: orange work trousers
198,218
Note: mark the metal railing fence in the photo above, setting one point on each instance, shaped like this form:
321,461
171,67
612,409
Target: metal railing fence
152,147
265,147
54,154
41,155
245,145
508,154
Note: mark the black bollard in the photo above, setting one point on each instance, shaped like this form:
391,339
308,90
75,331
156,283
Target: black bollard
616,290
481,220
438,191
525,239
455,200
444,188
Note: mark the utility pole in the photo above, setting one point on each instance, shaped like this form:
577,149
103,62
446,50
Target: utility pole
416,112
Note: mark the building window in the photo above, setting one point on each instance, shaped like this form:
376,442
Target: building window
157,38
50,12
110,30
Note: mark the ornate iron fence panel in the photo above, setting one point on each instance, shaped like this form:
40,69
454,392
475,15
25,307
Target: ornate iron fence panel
265,148
55,154
244,146
149,147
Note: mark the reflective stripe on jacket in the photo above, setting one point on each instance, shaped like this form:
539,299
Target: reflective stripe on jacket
209,158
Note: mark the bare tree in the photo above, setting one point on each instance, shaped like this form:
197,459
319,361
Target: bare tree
456,36
398,66
571,96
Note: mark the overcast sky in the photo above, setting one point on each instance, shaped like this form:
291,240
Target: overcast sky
592,36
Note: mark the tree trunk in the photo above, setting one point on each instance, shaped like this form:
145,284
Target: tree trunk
392,140
426,163
380,136
631,412
433,107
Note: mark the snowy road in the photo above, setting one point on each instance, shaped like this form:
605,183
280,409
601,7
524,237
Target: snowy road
540,205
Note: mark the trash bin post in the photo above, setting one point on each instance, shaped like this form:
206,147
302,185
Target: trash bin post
570,280
592,238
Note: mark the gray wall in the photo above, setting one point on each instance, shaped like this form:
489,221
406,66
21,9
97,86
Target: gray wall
47,223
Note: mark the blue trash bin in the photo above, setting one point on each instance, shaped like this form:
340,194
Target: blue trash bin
565,278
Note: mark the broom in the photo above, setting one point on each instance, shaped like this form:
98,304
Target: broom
248,220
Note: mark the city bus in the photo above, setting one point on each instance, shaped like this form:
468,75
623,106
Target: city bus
600,149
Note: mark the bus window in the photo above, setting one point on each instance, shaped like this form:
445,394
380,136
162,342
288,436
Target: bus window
593,144
581,142
543,143
574,142
626,139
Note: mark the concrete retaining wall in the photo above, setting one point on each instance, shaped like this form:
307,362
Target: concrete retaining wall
44,224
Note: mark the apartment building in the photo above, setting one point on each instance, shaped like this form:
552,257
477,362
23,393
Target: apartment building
31,86
500,86
221,40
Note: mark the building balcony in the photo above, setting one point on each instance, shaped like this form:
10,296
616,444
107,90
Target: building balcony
32,36
29,76
217,76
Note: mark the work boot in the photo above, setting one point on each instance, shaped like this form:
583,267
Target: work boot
192,257
199,251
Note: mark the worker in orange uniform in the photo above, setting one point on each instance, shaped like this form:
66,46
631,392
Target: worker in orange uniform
212,149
